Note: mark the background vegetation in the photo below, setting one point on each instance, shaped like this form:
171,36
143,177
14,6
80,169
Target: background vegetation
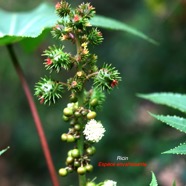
131,131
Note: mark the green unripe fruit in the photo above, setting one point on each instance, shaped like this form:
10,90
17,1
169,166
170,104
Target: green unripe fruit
64,137
65,118
94,102
89,168
77,114
76,164
81,170
69,153
70,138
75,153
67,111
91,150
77,127
91,115
69,159
63,172
90,184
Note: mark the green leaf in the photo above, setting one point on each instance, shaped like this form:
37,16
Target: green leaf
174,100
174,121
153,181
112,24
4,150
16,25
181,149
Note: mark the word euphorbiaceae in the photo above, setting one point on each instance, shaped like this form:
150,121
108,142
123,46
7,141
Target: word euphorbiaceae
86,87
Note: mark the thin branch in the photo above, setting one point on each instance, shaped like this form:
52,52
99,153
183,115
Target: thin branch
35,116
91,75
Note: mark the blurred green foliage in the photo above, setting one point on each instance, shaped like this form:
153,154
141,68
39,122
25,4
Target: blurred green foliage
130,131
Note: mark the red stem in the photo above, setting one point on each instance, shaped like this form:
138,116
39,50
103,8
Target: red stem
35,116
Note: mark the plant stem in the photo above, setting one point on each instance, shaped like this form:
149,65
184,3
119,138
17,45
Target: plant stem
80,142
35,116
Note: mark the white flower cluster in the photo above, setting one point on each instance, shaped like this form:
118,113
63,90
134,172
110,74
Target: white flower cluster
109,183
94,131
46,87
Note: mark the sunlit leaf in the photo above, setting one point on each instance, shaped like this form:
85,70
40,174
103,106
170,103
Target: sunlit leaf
174,121
15,26
181,149
4,150
153,181
177,101
112,24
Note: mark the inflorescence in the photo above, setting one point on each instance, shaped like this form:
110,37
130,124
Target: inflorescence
74,26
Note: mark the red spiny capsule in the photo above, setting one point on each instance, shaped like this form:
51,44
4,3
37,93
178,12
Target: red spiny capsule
114,83
76,18
48,61
58,6
42,100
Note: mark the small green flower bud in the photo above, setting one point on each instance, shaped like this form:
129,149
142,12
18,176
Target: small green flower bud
77,127
91,115
70,138
89,168
81,170
64,137
63,172
68,112
75,153
69,160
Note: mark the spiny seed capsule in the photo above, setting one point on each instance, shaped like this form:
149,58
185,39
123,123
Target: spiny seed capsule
91,115
63,172
70,138
68,112
64,137
81,170
75,153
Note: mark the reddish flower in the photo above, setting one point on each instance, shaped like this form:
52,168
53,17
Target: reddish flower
48,61
41,100
74,83
76,18
58,6
114,83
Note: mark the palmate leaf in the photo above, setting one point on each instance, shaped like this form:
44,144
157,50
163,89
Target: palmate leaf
181,149
176,122
174,100
15,26
153,181
109,23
